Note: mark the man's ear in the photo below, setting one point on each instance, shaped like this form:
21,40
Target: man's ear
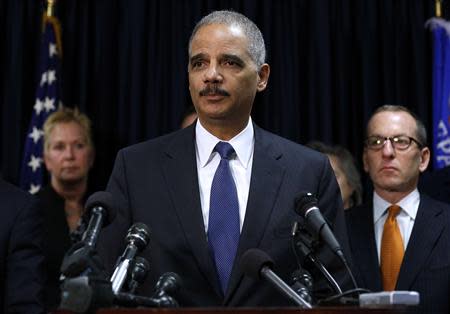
263,77
424,159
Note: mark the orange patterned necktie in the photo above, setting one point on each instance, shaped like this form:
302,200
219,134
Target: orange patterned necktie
391,249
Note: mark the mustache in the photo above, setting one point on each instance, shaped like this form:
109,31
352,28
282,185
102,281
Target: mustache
213,90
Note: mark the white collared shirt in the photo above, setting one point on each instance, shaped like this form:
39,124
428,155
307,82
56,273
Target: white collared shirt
240,165
405,219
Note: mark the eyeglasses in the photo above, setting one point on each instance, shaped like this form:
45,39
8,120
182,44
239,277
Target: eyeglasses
401,142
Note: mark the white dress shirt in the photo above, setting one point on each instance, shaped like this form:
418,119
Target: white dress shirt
241,166
405,219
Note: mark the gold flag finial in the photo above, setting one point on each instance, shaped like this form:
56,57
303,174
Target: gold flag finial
438,8
50,7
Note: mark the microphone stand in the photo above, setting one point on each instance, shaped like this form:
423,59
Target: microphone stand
305,243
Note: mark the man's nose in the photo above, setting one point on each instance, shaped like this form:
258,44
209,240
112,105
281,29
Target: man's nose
213,74
388,149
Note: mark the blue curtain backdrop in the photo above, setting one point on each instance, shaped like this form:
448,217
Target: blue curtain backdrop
125,65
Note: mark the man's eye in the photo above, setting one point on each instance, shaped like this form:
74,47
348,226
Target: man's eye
401,140
375,141
231,63
197,64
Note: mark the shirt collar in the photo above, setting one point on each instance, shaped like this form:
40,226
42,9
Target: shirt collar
242,144
409,205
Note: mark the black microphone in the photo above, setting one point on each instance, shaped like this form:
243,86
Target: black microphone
82,257
257,264
306,206
102,211
137,239
302,284
139,271
167,285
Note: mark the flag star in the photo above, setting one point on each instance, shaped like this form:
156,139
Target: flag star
34,188
43,78
35,163
52,50
49,104
38,106
51,76
36,134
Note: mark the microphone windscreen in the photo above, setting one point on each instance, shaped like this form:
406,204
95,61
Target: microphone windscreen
138,233
253,260
105,200
169,282
303,202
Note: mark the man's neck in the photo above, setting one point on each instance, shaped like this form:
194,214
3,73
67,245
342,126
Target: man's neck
225,131
393,197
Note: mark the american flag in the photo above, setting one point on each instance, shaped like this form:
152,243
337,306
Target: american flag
46,101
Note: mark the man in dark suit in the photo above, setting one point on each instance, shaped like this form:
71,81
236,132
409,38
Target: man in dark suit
169,183
21,257
417,226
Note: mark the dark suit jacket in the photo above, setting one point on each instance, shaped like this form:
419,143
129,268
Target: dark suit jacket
57,242
21,259
157,181
426,263
436,184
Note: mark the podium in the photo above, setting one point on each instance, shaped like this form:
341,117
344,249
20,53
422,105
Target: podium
225,310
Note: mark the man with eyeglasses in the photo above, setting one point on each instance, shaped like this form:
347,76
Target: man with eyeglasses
400,240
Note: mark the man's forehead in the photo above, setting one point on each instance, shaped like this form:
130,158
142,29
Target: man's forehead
386,120
219,29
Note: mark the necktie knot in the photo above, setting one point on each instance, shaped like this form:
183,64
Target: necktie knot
224,149
393,211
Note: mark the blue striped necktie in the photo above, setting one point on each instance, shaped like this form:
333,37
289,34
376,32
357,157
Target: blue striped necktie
223,228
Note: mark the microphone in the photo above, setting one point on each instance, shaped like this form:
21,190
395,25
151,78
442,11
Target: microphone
81,257
167,285
302,284
137,239
306,206
102,210
257,264
139,272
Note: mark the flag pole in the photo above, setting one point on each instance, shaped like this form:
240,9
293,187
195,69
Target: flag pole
437,7
50,7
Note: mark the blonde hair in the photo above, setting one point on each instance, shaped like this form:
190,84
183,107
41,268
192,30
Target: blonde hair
67,115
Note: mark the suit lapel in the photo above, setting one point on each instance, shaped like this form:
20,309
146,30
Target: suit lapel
180,170
266,178
426,231
364,247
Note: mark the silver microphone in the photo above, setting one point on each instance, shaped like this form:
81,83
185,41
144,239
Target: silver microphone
137,239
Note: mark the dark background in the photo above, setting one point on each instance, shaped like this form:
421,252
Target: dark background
125,65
